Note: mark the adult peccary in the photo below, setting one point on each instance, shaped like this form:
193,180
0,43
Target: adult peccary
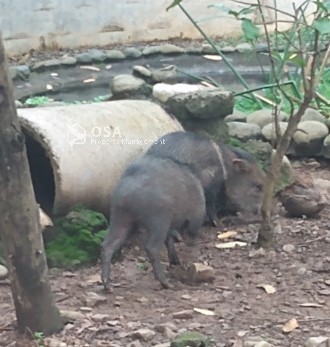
226,173
161,196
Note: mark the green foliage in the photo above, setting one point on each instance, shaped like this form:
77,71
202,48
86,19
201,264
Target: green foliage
39,338
37,100
77,238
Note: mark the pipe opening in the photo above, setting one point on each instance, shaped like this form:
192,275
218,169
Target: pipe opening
41,174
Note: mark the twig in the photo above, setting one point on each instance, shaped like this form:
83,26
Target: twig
320,238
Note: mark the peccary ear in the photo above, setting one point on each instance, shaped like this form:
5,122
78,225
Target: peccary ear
240,165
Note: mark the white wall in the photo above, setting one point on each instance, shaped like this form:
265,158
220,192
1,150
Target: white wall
75,23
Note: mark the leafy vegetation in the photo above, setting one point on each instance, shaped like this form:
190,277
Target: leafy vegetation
76,239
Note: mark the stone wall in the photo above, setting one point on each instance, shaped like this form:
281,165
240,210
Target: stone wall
70,24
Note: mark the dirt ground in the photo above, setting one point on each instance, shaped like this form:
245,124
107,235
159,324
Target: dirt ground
298,268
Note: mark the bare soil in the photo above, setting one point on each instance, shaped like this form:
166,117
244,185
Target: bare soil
298,268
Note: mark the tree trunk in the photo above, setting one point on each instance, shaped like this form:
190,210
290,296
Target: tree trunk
19,222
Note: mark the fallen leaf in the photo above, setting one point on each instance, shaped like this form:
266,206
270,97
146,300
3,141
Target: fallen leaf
290,325
268,288
49,87
108,67
205,312
310,304
54,74
227,235
232,244
204,83
94,279
89,80
87,67
212,57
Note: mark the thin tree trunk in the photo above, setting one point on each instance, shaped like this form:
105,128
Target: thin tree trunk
19,222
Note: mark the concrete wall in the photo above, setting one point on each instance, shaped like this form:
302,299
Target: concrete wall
26,24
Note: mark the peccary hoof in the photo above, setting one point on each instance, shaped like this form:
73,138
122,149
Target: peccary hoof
302,198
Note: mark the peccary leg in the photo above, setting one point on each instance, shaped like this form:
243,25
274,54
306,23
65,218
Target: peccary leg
113,242
210,198
156,241
172,254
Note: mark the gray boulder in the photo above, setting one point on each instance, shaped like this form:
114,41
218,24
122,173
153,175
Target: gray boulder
311,114
3,272
309,137
141,71
264,117
150,50
124,85
326,147
114,55
170,49
268,131
132,53
168,74
244,131
236,116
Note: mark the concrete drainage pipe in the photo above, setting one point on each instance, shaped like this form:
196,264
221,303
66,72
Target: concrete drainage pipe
77,153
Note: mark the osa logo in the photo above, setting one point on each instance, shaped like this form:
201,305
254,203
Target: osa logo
76,135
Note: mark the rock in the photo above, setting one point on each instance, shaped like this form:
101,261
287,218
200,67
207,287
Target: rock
268,131
132,53
228,49
244,131
194,50
165,344
302,198
3,272
53,342
208,49
186,314
326,147
99,317
311,114
84,58
92,299
164,91
167,74
150,50
320,341
236,116
322,184
12,72
23,71
191,339
309,141
161,327
114,55
72,315
263,344
44,220
18,104
169,333
141,71
244,47
144,334
170,49
202,104
52,63
135,343
264,117
288,248
261,47
126,84
68,61
201,273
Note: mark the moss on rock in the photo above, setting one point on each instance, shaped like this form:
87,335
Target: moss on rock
76,238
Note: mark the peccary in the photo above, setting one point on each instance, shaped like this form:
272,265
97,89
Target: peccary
161,196
226,173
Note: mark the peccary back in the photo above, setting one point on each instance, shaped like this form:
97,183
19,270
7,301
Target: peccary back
225,172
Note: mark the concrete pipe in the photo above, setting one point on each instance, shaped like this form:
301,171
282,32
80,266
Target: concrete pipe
77,153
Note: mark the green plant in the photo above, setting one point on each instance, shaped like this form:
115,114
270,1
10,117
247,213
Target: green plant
37,100
39,338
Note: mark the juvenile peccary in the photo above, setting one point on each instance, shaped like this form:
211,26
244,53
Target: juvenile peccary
161,196
226,173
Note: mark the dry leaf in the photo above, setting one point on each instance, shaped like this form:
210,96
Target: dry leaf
94,279
87,67
212,57
227,235
232,244
108,67
205,312
49,87
54,74
207,84
310,304
290,325
89,80
268,288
